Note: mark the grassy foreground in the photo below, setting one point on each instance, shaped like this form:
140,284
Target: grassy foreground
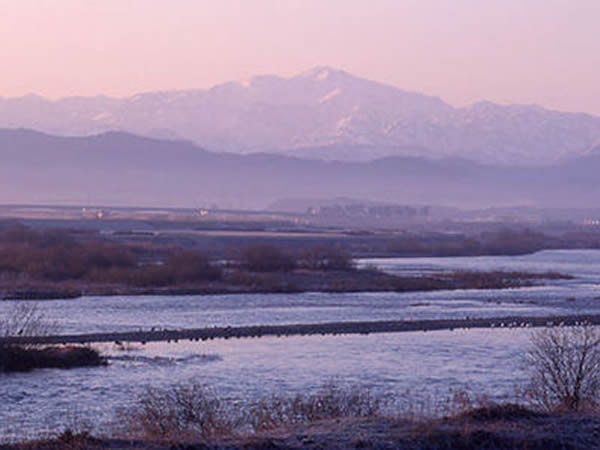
191,417
507,426
557,409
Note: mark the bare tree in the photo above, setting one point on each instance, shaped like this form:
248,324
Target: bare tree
26,319
565,368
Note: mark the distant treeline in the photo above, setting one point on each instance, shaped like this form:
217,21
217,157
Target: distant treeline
59,264
494,239
64,255
503,242
58,256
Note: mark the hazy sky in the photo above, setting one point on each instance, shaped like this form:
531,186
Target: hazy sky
508,51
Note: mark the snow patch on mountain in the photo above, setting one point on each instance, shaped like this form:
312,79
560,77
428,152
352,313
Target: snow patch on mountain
322,75
341,124
321,107
330,95
104,117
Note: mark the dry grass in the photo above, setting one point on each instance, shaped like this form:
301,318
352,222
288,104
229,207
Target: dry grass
180,413
334,417
335,414
192,413
329,402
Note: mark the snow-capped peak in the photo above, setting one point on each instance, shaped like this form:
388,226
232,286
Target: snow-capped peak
319,73
323,106
322,75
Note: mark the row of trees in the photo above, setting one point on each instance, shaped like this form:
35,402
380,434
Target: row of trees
505,242
61,256
270,258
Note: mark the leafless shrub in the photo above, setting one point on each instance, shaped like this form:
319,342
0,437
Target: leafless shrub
439,405
190,413
565,368
182,412
26,319
331,401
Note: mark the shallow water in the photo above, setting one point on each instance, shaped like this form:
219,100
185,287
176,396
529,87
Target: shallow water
483,361
423,364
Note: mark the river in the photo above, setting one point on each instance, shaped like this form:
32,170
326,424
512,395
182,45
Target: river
423,364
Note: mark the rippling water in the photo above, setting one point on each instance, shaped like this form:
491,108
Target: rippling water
486,361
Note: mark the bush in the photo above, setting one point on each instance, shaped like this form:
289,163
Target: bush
509,242
180,267
267,258
179,413
565,368
189,267
191,412
327,258
14,358
330,402
26,319
57,256
187,413
147,276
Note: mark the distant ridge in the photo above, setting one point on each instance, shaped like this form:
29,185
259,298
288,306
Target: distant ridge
122,169
322,113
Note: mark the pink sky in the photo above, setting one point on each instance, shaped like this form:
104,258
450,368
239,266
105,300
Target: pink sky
509,51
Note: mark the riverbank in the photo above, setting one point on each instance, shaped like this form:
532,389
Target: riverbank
498,427
296,281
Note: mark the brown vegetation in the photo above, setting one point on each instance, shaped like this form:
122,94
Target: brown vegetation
267,258
59,257
27,320
183,412
59,264
326,258
193,412
331,401
193,418
565,368
339,417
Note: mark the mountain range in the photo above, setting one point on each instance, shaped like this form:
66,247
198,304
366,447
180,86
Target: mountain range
117,168
323,113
